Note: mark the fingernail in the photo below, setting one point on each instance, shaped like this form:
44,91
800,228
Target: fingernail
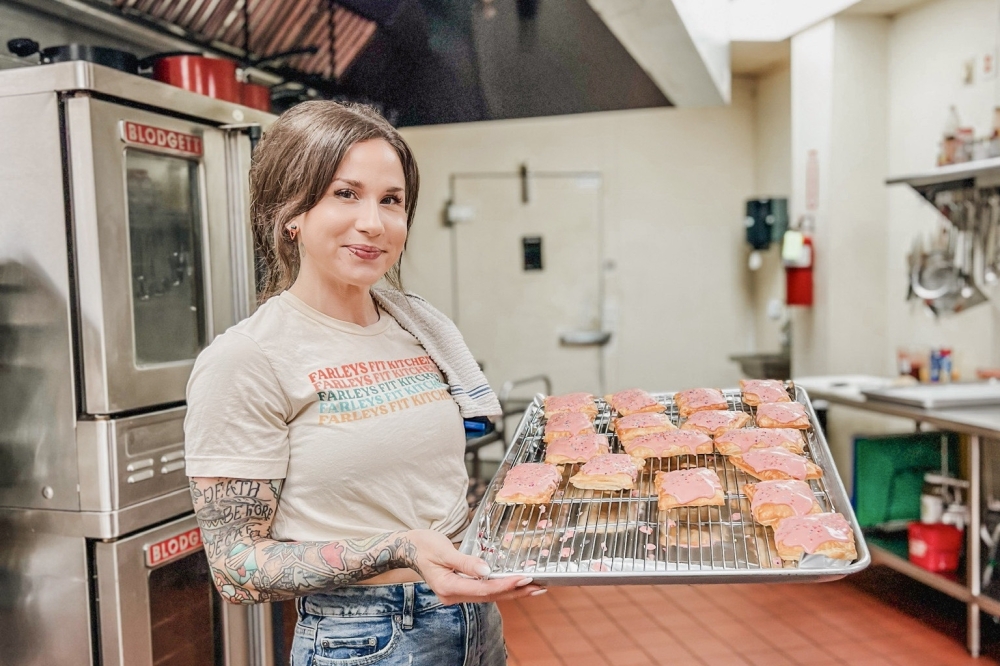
523,582
483,569
537,592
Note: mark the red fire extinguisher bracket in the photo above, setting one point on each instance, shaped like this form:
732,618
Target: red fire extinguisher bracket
799,273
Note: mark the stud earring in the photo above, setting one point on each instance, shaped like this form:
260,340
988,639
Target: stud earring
292,230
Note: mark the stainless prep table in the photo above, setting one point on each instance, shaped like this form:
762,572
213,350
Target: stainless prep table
977,423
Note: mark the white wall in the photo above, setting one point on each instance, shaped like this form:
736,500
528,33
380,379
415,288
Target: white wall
675,183
927,47
772,178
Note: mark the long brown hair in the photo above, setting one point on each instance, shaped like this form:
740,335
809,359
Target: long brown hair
292,167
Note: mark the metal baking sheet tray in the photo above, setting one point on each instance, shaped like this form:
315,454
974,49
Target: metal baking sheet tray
587,537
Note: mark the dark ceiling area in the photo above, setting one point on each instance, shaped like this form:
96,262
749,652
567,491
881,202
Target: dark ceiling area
421,62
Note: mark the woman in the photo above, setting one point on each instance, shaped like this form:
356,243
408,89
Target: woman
324,433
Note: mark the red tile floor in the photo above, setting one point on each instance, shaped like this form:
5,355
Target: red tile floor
845,622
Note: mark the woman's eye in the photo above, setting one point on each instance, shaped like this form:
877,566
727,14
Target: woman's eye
392,200
346,194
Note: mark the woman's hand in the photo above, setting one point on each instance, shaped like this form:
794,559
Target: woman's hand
457,578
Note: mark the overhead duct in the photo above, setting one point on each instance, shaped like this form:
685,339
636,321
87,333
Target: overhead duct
683,45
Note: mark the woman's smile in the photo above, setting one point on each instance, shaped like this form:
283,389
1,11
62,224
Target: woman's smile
365,252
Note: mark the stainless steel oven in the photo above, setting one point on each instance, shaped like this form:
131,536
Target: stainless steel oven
149,206
156,601
124,249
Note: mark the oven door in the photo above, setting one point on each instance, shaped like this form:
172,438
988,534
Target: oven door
157,605
151,206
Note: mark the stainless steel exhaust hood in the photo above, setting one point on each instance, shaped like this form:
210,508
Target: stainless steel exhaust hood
443,61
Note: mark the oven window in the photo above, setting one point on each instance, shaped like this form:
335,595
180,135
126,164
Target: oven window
184,613
164,223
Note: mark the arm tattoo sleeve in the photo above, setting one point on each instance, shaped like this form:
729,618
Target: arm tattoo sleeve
248,566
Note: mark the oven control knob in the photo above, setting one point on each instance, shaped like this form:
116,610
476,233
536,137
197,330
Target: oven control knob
47,492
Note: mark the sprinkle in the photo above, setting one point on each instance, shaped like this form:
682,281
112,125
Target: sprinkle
737,516
604,547
650,546
634,493
524,523
542,524
541,509
568,534
565,552
529,563
507,539
645,529
544,552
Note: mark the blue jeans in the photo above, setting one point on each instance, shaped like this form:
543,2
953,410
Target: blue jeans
386,625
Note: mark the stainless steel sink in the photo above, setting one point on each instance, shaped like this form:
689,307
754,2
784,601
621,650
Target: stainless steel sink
764,366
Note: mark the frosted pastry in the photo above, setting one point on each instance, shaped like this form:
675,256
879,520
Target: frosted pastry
826,534
695,486
611,471
643,423
632,401
775,464
567,424
576,449
698,400
738,442
667,444
761,391
771,501
529,483
571,402
715,422
783,415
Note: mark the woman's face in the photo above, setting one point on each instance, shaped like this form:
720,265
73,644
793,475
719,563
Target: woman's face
356,232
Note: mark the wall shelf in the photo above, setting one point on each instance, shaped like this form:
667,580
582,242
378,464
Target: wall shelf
980,173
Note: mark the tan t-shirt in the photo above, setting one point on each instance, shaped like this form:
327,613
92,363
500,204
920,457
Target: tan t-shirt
356,419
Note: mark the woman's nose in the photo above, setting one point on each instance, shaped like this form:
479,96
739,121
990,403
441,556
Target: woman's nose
370,219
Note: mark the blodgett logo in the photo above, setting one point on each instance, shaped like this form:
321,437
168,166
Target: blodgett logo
175,546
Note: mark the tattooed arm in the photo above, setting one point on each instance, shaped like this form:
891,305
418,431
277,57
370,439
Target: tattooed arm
249,566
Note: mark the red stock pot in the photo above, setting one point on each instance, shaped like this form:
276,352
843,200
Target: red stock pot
256,96
214,77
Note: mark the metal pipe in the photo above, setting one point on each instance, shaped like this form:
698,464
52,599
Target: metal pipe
974,570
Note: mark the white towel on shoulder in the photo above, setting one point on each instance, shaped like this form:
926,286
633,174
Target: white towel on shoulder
445,345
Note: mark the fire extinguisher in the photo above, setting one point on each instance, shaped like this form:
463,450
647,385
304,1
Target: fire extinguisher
798,256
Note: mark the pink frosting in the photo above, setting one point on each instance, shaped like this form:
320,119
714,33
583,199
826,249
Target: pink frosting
796,494
631,400
579,446
529,479
811,531
782,412
659,442
766,390
571,402
713,419
690,484
611,463
760,438
574,423
642,420
776,458
701,398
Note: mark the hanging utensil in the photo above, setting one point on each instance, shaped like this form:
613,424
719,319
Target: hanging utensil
991,273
